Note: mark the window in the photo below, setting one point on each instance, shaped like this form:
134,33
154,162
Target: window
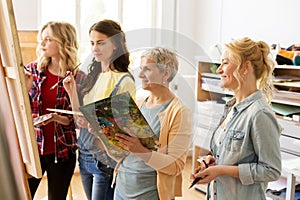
137,14
84,13
57,10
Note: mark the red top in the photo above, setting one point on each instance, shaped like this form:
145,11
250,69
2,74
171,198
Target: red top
39,100
49,101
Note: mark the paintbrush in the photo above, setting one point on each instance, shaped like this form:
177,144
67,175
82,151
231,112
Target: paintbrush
195,181
67,74
198,178
26,69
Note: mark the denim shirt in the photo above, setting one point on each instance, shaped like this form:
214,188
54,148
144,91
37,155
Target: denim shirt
250,141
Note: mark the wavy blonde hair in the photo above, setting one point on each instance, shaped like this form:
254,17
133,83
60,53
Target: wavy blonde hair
257,52
66,37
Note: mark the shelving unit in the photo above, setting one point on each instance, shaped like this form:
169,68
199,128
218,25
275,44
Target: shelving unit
287,83
288,94
210,104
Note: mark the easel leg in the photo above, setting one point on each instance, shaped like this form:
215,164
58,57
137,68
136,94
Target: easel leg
290,189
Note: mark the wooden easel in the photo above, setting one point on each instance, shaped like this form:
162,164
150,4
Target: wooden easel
16,102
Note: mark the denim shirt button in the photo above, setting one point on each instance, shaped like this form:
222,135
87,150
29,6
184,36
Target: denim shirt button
217,156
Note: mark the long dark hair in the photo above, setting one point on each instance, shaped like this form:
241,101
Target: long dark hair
120,58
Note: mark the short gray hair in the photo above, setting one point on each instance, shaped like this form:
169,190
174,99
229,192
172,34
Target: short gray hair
163,58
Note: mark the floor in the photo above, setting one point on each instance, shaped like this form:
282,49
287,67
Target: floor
78,193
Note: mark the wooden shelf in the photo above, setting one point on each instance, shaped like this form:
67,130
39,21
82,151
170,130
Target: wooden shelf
286,67
28,44
210,75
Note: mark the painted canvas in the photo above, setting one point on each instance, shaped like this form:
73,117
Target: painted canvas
118,114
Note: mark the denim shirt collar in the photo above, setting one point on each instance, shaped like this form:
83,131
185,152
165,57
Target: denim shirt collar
243,104
238,107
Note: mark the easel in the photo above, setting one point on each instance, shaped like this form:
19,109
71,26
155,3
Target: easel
291,183
13,88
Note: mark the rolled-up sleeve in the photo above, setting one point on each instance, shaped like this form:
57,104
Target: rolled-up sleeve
265,137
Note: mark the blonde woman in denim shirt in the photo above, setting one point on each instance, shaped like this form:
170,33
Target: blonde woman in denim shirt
245,146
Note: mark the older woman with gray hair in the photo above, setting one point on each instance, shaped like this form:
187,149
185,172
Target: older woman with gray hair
147,174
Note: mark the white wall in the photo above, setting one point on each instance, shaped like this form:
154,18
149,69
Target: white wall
26,14
268,20
210,22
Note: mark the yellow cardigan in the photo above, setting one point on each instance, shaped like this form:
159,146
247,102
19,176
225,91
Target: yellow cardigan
170,158
175,141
